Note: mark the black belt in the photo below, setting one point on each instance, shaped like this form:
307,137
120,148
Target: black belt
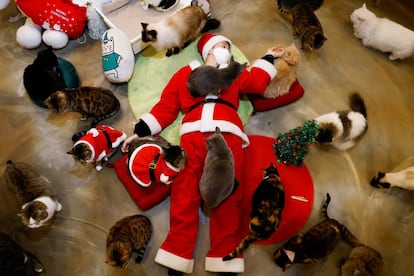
211,100
108,139
152,167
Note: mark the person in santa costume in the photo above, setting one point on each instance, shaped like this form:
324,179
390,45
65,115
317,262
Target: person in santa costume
201,116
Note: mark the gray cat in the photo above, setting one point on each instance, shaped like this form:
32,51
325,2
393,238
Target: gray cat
34,192
217,181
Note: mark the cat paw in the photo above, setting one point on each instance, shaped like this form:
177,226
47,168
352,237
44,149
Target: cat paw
58,206
99,168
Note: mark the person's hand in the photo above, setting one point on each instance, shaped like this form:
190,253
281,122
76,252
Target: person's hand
127,143
276,52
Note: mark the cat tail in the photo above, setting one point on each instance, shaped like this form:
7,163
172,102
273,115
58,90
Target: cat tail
244,244
211,24
78,135
357,104
324,210
106,116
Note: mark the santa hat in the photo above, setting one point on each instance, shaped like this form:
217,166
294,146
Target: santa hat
207,42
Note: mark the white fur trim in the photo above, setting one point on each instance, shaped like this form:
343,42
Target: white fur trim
152,123
173,261
266,66
194,64
211,42
94,132
119,140
90,146
214,264
131,163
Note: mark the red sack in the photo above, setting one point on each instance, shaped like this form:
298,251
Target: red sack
59,15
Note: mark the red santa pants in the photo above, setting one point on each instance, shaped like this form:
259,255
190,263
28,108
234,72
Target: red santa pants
225,220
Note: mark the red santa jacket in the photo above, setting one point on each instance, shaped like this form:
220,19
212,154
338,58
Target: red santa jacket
146,165
205,113
102,140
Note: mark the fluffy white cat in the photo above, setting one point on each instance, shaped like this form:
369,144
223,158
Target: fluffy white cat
382,34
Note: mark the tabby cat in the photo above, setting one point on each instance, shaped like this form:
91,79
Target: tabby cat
267,205
91,102
363,260
15,260
34,192
173,154
179,29
217,181
343,129
97,145
315,244
209,80
129,235
287,66
305,23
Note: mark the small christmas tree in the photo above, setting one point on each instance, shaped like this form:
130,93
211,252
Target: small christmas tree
292,146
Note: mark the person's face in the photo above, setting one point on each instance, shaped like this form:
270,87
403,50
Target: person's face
221,44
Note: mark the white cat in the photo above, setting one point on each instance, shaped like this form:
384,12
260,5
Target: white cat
382,34
403,179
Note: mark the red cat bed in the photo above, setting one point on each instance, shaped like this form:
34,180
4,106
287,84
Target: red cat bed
144,197
296,180
261,103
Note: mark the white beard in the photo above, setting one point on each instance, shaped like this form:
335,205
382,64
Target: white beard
382,34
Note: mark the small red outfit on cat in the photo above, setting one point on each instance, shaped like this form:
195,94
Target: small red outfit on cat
146,165
102,140
201,117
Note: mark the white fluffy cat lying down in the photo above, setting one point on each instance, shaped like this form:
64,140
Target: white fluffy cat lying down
382,34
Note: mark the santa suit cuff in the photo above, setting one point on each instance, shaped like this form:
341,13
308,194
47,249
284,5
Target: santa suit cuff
152,123
216,264
266,66
173,261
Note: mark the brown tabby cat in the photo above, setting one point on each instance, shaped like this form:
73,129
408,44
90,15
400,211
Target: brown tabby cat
267,205
179,29
34,191
305,24
217,181
91,102
287,67
363,260
209,80
315,244
15,260
128,235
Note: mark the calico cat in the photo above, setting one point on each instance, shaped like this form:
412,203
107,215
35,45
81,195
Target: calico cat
217,180
403,179
153,159
287,67
43,77
305,23
97,145
343,129
209,80
34,192
362,260
267,205
15,260
178,30
159,5
129,235
91,102
314,244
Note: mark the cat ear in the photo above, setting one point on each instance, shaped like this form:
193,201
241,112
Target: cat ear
144,25
290,255
364,6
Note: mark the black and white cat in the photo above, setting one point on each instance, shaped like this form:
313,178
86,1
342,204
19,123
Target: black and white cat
343,129
159,5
